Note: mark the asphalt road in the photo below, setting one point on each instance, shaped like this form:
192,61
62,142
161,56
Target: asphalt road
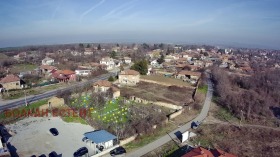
161,141
20,102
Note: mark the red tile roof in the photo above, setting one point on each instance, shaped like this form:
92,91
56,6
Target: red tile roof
129,72
10,78
199,152
202,152
67,72
103,83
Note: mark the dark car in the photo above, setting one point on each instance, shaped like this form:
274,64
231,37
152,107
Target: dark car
53,154
117,151
80,152
33,155
43,155
194,125
54,131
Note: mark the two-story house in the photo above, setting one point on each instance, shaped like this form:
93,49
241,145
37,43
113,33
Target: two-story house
109,62
129,77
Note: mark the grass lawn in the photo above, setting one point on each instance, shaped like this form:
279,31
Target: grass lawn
112,113
162,79
203,89
71,119
19,93
22,67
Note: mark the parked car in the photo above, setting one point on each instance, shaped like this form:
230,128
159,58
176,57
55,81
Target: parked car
53,154
194,124
54,131
80,152
117,151
43,155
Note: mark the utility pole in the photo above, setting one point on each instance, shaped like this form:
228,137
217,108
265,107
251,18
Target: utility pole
25,98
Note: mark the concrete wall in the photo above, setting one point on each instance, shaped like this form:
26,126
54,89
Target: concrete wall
171,106
159,103
162,83
175,114
127,140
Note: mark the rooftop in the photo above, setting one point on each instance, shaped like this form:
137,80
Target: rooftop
129,72
99,136
10,78
103,83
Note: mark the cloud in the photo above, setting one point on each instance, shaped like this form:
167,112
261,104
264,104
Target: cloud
56,9
118,11
91,9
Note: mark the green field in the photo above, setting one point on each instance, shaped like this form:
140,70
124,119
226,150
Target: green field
112,112
22,68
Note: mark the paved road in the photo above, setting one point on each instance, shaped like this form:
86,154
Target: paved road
20,102
161,141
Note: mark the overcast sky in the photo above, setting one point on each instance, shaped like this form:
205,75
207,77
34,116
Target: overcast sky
247,22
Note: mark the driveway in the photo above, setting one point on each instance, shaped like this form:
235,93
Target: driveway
34,138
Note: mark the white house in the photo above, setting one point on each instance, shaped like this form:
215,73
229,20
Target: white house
168,58
88,51
83,72
127,60
48,61
154,63
100,140
109,62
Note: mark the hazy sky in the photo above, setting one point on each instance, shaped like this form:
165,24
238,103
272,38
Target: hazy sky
246,22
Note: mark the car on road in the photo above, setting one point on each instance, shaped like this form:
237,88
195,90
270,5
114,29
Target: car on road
43,155
117,151
54,131
194,124
80,152
53,154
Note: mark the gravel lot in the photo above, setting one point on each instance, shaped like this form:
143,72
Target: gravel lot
34,138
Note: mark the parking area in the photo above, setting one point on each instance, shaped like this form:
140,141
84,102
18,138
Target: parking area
34,138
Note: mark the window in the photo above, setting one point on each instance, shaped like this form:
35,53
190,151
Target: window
16,83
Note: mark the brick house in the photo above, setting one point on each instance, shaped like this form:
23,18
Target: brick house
64,75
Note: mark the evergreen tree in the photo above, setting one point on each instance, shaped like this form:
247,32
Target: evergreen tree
141,67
